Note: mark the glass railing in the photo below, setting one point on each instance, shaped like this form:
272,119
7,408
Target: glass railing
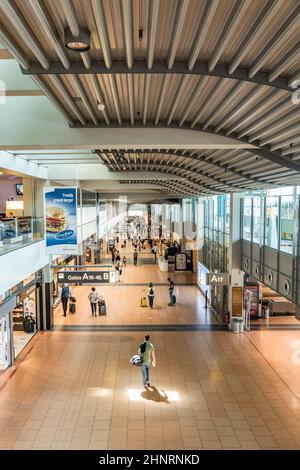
18,232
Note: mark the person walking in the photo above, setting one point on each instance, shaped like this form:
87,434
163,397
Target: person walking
135,257
146,351
118,257
64,296
113,256
151,294
154,251
171,292
93,298
124,261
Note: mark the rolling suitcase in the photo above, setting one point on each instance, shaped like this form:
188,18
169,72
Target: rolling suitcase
102,307
72,308
143,302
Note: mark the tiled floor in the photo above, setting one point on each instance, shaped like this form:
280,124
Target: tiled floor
212,390
123,307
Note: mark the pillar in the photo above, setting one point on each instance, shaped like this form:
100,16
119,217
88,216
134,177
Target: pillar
235,305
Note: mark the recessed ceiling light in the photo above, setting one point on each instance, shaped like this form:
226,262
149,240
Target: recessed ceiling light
101,106
80,43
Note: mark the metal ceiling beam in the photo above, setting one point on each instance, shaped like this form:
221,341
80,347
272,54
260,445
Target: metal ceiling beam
248,116
234,17
58,84
24,32
146,94
285,62
126,10
159,67
280,35
162,94
16,52
209,11
264,152
178,93
152,31
193,172
194,96
114,91
129,82
199,159
260,23
51,36
180,14
100,21
77,83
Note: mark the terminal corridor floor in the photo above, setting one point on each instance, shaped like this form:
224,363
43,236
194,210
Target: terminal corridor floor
210,390
123,301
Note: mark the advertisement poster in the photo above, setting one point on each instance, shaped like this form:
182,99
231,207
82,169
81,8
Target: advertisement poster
251,300
61,221
237,302
180,262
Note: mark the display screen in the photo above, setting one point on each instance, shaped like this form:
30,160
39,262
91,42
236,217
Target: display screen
19,189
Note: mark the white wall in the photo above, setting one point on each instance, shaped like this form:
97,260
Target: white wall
19,264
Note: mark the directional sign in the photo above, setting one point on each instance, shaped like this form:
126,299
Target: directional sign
217,279
86,277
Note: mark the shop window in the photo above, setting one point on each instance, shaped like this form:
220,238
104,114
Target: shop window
24,319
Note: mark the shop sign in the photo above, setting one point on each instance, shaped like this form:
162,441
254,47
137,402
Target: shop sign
86,277
217,279
61,221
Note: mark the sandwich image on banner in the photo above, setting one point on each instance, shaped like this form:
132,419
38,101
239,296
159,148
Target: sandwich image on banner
61,220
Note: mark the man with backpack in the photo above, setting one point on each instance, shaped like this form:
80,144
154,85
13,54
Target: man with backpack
151,294
146,351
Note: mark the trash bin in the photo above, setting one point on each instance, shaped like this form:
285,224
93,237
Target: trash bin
235,326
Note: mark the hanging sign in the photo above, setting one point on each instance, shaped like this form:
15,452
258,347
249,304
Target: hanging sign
86,277
217,279
61,221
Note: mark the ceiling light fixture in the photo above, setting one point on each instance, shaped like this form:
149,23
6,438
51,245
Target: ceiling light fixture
80,43
101,106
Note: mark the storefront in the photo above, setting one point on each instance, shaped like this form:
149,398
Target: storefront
20,318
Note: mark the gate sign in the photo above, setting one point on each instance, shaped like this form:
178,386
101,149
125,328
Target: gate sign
217,279
86,277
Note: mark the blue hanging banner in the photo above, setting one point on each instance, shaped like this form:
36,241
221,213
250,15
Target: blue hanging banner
61,221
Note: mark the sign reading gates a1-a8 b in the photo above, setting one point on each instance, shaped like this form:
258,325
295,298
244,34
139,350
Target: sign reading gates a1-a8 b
61,221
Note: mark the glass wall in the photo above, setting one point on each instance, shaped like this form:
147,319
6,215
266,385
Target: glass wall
271,218
214,251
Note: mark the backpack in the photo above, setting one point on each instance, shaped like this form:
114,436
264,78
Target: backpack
143,347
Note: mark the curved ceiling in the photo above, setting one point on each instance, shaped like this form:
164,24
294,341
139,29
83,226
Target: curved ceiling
227,67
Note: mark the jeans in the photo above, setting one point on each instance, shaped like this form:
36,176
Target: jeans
94,308
145,369
64,301
151,300
171,293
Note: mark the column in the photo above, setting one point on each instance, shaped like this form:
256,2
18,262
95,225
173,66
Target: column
235,294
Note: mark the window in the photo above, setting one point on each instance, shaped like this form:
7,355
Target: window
287,223
257,236
271,222
247,214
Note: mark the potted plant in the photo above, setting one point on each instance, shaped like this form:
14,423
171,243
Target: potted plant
29,323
